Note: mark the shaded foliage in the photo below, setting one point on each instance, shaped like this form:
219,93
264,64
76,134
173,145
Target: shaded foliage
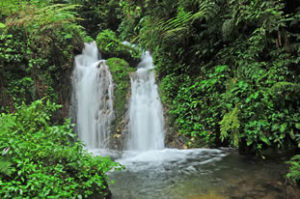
38,42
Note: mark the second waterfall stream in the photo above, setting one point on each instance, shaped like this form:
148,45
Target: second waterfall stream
146,122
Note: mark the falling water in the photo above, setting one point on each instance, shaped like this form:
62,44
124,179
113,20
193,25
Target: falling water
146,130
92,98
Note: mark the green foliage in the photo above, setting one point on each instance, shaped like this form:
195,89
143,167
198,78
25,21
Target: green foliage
21,90
37,44
47,161
35,18
294,172
98,15
5,167
175,27
192,116
287,90
109,44
230,122
2,26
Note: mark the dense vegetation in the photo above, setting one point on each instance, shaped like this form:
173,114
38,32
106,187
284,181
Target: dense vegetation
229,69
40,156
40,160
228,72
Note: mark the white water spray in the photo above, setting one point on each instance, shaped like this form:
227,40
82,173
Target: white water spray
92,98
146,122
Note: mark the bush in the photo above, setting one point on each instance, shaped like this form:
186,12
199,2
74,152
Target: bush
110,46
47,161
37,50
294,172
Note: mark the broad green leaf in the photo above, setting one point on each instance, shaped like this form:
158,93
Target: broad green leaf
2,25
292,134
265,140
297,125
283,127
68,36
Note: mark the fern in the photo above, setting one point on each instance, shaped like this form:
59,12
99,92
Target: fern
8,7
5,167
230,123
176,26
36,19
294,171
181,23
207,10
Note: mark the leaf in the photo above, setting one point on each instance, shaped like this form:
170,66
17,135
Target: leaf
249,142
68,36
292,135
283,127
265,140
2,25
297,125
5,167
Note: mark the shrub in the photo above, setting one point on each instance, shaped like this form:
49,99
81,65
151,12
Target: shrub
294,172
47,161
110,46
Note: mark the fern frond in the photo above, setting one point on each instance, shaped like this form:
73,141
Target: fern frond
5,167
32,17
230,124
294,171
177,25
207,10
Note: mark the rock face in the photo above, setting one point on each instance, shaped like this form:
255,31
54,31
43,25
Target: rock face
121,72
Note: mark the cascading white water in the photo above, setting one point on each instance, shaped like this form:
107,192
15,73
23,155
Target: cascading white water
92,98
146,122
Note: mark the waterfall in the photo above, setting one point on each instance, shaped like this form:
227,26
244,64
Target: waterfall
146,122
92,98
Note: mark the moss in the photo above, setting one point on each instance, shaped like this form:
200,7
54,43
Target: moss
120,71
110,46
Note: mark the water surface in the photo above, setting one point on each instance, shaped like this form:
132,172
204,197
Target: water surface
197,174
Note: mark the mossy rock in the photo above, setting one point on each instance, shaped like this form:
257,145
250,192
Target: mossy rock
110,46
120,71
